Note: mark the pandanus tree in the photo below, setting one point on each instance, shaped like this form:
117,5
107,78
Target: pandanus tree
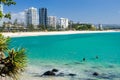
13,63
4,42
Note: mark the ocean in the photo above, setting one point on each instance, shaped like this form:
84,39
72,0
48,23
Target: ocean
79,54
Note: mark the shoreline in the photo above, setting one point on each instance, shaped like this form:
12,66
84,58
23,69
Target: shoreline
82,71
25,34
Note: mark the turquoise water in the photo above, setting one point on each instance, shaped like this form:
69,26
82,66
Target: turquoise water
66,52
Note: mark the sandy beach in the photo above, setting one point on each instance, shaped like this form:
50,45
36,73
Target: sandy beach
23,34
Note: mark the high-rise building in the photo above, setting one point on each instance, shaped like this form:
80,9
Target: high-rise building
100,27
63,22
43,17
31,16
1,9
52,21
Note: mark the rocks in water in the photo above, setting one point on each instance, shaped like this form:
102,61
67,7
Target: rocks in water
49,73
63,74
97,57
55,70
84,59
95,74
71,74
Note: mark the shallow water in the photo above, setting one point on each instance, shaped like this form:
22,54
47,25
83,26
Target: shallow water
66,53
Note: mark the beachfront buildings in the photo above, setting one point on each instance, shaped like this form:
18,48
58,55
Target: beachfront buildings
52,21
45,21
31,16
100,27
1,9
63,22
43,17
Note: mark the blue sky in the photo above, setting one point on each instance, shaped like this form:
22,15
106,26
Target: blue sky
91,11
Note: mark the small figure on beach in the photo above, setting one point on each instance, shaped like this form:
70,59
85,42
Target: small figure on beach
97,57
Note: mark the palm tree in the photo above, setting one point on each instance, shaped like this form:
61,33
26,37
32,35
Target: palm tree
14,63
4,42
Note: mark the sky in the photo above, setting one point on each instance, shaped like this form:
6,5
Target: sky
86,11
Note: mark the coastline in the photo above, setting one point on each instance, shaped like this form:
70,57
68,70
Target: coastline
24,34
85,70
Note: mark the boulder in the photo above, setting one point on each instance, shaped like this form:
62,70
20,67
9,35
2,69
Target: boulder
49,73
95,74
71,74
55,70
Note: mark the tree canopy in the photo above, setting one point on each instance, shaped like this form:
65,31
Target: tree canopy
12,61
6,3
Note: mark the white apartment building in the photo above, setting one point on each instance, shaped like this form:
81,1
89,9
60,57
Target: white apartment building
63,23
31,16
52,21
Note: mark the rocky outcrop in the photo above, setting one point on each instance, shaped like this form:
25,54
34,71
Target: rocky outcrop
49,73
95,74
55,72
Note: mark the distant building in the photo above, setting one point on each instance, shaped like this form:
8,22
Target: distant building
70,24
1,9
43,17
52,21
63,23
31,16
100,27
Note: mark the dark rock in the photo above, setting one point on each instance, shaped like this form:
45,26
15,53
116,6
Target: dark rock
97,57
71,74
49,73
55,70
95,74
84,59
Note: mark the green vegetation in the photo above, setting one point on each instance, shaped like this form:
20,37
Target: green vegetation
8,3
16,27
83,27
12,61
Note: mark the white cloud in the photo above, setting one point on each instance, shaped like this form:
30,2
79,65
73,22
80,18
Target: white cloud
20,16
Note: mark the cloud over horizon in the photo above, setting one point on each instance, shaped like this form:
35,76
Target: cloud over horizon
20,16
